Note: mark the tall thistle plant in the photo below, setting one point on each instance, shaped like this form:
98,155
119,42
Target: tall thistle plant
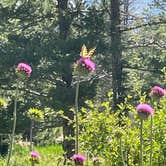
143,112
35,115
83,67
156,94
23,71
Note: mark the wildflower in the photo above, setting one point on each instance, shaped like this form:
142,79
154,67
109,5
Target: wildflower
35,114
89,64
79,159
144,111
35,156
23,69
3,103
85,65
158,92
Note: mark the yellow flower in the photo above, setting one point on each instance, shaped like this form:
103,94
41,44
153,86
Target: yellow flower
3,103
35,114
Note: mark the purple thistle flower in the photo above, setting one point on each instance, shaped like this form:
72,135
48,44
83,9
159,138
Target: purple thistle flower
144,111
79,159
24,67
35,154
157,91
87,63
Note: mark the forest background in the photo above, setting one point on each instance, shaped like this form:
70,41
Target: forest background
49,34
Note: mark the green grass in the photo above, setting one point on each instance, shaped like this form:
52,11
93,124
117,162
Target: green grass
52,149
49,156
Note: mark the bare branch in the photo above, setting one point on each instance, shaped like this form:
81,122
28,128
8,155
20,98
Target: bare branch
97,76
134,16
26,90
142,69
143,25
148,44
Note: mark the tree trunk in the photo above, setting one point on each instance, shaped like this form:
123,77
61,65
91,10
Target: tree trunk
64,22
68,129
116,51
68,134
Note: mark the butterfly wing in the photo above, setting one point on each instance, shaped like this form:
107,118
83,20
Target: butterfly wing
84,51
91,52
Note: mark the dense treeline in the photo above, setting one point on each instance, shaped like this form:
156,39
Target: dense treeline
48,35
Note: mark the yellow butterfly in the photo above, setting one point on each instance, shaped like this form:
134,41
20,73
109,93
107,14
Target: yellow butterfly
85,53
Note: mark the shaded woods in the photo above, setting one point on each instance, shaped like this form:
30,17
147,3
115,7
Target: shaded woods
129,60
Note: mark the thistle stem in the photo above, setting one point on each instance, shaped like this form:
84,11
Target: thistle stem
141,143
153,103
31,140
31,135
76,114
121,151
13,129
151,141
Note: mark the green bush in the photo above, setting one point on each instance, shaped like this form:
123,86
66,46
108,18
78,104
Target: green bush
101,132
